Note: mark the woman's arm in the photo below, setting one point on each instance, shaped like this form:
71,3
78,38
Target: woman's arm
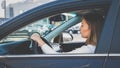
48,50
45,48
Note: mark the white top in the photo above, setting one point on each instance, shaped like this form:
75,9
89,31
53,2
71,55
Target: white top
84,49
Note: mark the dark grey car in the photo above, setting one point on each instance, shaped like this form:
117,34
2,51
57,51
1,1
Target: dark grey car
19,54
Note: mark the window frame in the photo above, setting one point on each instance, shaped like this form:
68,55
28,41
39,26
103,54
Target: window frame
34,15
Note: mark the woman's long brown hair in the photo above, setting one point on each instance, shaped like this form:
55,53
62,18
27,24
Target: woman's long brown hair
95,22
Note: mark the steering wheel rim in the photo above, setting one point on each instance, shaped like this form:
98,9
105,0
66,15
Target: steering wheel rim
48,43
35,48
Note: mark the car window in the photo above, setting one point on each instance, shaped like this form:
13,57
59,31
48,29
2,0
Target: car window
73,35
63,28
43,27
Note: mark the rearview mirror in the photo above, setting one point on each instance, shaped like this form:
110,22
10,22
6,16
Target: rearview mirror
58,18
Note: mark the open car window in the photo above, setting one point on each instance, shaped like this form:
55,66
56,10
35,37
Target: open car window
42,26
59,30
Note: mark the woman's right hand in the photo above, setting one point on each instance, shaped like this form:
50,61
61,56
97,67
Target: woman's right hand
36,37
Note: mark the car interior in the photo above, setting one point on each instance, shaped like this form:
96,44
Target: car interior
27,46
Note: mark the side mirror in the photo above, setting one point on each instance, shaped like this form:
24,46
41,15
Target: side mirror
67,37
58,18
64,37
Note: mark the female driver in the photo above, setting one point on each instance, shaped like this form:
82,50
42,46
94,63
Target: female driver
91,28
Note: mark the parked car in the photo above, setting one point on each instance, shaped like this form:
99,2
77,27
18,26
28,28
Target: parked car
21,54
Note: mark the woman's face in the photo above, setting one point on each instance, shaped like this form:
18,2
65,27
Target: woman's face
84,29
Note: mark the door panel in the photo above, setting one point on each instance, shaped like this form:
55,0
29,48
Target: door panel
14,48
54,61
113,61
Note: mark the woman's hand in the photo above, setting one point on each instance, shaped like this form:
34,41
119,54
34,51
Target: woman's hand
36,37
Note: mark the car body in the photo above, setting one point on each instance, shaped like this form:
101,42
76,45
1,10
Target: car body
18,55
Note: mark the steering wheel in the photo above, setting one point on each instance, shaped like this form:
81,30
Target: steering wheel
35,48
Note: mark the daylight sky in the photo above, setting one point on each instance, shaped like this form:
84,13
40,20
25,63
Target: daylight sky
11,2
7,3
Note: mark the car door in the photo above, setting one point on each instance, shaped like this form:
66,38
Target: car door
53,60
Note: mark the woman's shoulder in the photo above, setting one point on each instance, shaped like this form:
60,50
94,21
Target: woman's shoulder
90,48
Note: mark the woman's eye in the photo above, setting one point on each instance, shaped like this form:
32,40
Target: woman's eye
81,25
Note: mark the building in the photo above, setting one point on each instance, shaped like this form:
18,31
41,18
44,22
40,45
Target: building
17,8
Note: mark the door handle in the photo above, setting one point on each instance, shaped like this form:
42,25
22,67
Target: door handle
85,66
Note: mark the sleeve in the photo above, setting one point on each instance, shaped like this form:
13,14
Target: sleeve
48,50
83,49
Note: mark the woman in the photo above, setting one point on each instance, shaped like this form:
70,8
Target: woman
91,28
